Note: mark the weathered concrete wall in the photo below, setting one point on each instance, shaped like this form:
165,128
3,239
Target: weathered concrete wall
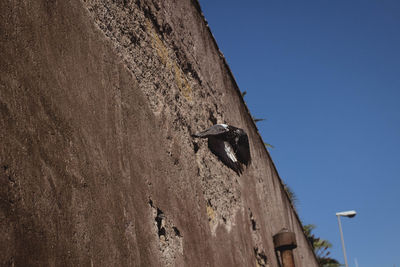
98,99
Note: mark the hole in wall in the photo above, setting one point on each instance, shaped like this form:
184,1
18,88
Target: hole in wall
253,222
176,230
195,147
159,219
260,257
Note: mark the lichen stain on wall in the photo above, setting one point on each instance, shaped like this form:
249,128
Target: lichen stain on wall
180,80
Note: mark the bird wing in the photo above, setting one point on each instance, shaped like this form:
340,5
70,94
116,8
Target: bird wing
224,151
242,148
212,131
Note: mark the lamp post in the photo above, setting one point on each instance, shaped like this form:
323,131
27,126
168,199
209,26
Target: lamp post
349,214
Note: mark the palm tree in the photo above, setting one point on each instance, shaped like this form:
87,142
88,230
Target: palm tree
292,196
320,247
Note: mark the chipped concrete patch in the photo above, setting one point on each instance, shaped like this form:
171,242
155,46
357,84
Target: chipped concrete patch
170,237
259,252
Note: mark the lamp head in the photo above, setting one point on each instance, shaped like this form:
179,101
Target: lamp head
350,213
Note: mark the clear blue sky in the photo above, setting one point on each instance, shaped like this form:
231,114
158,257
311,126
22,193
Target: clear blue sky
326,76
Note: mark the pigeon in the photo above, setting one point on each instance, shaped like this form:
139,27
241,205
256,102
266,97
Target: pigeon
230,144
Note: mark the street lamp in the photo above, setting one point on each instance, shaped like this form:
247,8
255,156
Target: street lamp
349,214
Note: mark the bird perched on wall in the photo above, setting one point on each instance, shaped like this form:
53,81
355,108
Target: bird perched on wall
230,144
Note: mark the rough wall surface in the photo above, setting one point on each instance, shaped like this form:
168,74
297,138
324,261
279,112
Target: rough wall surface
98,99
